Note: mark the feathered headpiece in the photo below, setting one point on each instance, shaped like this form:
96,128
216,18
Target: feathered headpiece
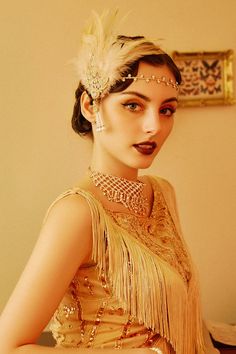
105,56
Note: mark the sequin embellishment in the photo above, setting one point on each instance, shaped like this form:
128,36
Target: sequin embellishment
69,310
88,285
96,323
104,283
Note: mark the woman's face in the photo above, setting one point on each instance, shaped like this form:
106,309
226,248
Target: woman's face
138,120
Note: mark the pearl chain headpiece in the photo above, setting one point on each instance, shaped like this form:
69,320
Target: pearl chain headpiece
158,80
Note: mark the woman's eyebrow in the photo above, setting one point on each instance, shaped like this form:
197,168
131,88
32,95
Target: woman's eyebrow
140,95
147,99
171,99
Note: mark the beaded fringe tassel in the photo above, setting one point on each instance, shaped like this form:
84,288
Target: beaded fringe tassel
99,123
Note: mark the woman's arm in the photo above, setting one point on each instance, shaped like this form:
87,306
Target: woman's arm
65,242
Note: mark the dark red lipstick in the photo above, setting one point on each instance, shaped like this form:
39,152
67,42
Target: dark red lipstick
146,147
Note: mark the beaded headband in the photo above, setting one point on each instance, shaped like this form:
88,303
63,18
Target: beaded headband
158,80
104,57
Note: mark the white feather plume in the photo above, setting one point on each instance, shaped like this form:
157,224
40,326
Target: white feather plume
102,58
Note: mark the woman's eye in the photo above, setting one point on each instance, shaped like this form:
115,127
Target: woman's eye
167,111
132,106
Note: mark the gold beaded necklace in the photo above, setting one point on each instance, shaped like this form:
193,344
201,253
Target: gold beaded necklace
121,190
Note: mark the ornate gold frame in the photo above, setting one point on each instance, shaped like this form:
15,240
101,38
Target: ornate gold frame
207,78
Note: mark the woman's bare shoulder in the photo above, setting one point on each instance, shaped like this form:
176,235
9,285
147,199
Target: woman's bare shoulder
68,204
68,220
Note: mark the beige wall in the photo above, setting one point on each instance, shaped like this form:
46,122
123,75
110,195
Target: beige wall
41,156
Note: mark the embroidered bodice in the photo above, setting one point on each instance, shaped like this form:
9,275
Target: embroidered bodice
139,290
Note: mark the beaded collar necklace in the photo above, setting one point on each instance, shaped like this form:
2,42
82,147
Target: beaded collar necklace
121,190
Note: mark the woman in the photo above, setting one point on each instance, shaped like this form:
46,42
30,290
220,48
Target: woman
110,262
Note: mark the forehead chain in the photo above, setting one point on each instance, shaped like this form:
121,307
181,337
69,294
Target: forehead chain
158,80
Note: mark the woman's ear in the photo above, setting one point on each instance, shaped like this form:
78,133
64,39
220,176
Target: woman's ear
86,107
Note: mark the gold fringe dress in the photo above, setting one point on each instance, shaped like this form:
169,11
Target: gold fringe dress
140,288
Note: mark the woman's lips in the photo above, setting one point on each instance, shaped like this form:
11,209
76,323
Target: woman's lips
145,148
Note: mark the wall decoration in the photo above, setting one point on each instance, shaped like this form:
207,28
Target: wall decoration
207,78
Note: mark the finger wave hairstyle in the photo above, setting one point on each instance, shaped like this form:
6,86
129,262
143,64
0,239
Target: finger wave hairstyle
81,125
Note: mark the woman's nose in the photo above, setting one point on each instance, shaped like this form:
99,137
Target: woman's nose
152,123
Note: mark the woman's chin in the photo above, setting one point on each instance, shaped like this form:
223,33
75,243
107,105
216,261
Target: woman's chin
144,164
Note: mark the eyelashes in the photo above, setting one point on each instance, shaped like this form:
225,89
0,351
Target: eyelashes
168,111
137,107
133,106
